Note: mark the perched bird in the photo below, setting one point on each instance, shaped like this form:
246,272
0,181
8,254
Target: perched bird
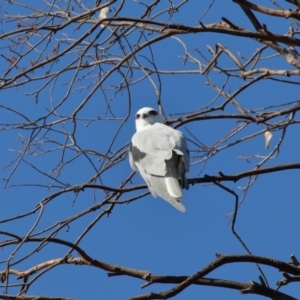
103,15
160,154
268,135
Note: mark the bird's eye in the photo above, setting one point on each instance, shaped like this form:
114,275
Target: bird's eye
137,116
153,112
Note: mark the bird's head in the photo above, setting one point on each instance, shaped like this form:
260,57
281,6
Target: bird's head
147,116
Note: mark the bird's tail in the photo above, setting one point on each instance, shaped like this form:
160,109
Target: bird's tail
173,187
176,204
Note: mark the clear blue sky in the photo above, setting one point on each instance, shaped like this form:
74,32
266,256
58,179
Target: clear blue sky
149,234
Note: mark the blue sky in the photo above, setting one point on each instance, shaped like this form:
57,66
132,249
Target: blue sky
149,234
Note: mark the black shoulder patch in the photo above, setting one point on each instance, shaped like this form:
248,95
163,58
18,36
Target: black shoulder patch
136,153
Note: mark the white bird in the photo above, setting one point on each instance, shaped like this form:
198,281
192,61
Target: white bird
268,135
103,15
160,154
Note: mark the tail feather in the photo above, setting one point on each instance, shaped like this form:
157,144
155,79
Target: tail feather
162,190
167,187
177,205
173,186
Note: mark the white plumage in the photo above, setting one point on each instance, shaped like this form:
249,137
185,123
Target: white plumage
103,15
160,154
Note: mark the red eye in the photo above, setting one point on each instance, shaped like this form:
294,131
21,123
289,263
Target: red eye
137,116
153,112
